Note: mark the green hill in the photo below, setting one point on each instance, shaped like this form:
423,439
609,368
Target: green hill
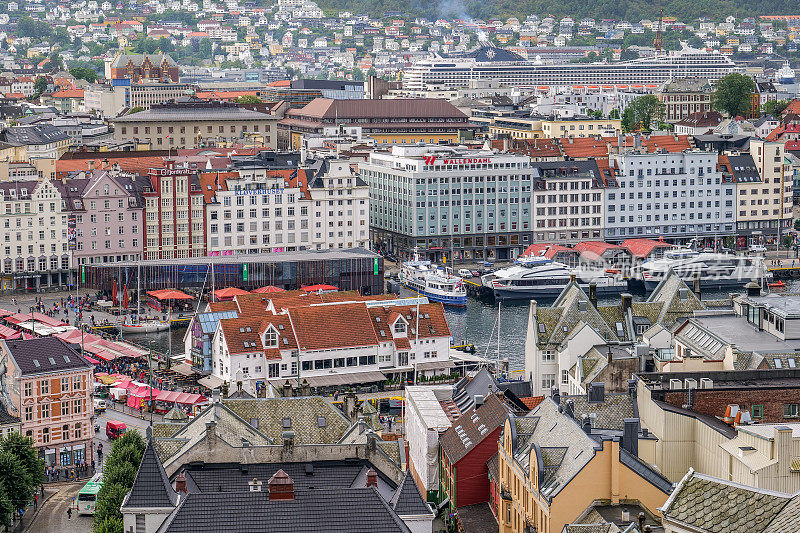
631,10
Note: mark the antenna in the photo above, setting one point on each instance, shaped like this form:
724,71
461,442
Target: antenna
658,41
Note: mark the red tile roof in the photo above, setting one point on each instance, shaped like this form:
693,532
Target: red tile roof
642,248
432,322
593,147
547,250
532,402
597,248
69,93
334,326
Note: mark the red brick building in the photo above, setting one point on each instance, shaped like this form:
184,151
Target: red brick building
138,67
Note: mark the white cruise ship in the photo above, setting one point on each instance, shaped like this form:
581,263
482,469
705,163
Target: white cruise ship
510,69
715,269
427,279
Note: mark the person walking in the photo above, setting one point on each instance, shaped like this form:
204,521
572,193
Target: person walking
69,512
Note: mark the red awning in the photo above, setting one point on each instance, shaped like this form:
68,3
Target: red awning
93,361
167,396
230,292
320,287
268,288
169,294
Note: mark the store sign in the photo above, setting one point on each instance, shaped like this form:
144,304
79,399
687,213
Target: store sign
72,239
252,192
434,160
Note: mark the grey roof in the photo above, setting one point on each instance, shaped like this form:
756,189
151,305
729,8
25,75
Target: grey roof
686,85
645,471
711,505
477,518
34,135
44,355
609,414
151,488
359,510
5,418
192,111
407,499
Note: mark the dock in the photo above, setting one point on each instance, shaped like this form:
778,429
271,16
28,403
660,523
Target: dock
785,272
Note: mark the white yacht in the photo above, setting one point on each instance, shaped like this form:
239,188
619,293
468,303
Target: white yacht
428,279
714,269
534,277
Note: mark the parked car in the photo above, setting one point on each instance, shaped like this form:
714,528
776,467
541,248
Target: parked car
464,273
757,248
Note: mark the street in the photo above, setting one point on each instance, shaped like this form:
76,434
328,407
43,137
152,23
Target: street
52,518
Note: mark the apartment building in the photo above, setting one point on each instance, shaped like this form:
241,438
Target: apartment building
684,96
193,123
260,208
110,100
470,204
557,460
33,251
48,385
768,210
669,195
173,211
567,201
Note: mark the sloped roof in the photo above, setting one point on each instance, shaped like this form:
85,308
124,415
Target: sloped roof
151,488
335,326
714,505
472,427
643,247
407,499
412,108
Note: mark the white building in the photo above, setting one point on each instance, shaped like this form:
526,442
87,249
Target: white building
670,195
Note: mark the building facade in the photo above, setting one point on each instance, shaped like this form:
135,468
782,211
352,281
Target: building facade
196,124
138,67
684,96
669,195
767,212
468,204
48,385
174,217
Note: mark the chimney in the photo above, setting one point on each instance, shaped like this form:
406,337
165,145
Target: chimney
555,394
630,436
642,517
572,277
255,485
597,392
478,400
753,288
281,486
609,356
288,440
632,388
211,433
350,405
593,294
696,284
569,408
287,389
215,399
372,443
305,388
372,478
586,424
180,483
626,301
625,516
783,446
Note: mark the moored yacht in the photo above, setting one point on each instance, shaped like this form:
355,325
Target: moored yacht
713,269
534,277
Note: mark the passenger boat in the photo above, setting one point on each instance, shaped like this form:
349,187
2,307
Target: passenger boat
428,279
715,270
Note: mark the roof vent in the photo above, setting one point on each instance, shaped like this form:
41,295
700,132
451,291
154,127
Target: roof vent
675,384
706,383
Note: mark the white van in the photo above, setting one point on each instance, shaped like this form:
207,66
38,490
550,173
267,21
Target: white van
99,404
464,273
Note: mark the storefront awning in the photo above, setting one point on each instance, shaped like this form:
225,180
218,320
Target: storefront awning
335,380
184,369
435,365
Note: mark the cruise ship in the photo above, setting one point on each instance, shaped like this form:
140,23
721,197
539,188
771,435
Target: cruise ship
510,69
714,269
427,279
538,277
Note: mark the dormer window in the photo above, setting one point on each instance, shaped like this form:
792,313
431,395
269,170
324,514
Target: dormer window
399,327
271,338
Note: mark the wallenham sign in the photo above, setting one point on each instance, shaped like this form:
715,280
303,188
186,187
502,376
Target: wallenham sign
434,160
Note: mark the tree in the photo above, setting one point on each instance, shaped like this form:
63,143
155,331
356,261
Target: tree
110,525
775,107
80,73
136,109
614,114
109,500
39,86
122,474
6,508
249,99
15,480
733,94
205,49
22,448
642,112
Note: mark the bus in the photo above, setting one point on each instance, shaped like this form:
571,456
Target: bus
88,495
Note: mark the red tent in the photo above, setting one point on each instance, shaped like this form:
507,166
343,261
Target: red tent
125,300
320,287
228,294
169,294
268,288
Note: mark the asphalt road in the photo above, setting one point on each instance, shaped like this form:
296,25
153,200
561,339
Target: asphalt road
52,518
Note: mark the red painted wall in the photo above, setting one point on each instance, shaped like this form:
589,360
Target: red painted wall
472,475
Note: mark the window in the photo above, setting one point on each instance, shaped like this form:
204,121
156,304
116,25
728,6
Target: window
399,327
548,380
548,355
791,410
45,435
271,338
65,432
45,410
44,386
28,389
757,411
28,414
565,376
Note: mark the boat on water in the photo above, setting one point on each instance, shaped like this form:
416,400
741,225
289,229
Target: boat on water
715,270
428,279
539,277
144,326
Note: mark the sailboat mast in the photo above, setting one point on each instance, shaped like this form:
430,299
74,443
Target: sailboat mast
497,370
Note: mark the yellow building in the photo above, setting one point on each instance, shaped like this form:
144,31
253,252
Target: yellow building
551,468
580,127
391,121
